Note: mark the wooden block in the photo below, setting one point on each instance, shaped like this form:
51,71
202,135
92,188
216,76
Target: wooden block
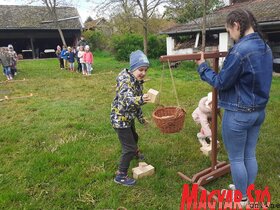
154,95
142,171
142,164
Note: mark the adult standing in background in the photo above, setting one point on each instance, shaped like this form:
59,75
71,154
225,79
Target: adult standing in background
82,42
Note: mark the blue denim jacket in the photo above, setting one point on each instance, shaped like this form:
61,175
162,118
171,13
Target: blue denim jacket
245,79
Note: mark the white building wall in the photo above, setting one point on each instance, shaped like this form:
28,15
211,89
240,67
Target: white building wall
224,43
170,44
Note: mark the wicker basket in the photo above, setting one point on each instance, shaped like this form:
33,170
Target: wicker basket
169,119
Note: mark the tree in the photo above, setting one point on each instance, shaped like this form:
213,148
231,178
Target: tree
204,25
142,9
189,10
51,6
89,19
183,11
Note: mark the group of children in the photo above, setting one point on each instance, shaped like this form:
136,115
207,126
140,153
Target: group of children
82,54
8,59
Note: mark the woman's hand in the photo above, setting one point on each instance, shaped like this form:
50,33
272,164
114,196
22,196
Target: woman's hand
202,60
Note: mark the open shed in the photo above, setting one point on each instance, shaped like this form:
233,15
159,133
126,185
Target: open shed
31,31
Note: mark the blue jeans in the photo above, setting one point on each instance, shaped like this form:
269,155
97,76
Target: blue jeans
7,70
88,67
240,132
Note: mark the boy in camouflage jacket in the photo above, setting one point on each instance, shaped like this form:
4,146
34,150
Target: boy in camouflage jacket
125,108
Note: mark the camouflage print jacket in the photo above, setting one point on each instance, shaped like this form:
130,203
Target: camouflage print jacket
5,57
127,103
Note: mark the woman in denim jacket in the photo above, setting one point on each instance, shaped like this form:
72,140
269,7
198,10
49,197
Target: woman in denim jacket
244,85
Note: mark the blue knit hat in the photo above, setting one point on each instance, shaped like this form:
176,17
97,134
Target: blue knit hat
138,59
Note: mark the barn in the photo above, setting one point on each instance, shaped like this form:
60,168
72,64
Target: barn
32,32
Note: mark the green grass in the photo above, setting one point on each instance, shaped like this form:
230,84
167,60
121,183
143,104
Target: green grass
58,150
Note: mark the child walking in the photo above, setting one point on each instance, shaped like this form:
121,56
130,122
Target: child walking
6,60
125,107
13,55
88,59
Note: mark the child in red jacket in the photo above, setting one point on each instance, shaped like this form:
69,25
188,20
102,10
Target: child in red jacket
88,59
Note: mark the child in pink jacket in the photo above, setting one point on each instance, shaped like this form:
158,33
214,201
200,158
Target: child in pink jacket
202,116
88,59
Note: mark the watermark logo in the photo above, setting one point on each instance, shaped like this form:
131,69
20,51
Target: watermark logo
223,200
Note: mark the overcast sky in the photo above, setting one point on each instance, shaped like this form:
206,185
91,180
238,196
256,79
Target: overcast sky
85,8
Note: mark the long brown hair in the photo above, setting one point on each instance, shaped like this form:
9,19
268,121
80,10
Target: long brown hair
245,18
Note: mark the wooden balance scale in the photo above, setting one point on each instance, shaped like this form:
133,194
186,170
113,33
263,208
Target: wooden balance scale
217,168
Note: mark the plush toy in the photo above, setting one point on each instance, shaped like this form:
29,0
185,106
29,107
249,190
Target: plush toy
202,116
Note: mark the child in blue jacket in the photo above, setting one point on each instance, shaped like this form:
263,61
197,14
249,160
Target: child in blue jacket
71,59
64,56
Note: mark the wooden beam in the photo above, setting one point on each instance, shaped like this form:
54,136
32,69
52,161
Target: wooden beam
59,20
196,56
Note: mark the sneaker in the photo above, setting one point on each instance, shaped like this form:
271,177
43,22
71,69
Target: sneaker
243,202
139,155
231,187
123,179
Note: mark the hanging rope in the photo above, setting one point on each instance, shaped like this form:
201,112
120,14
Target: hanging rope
173,83
169,119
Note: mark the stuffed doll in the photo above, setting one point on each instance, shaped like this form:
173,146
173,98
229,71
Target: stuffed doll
202,116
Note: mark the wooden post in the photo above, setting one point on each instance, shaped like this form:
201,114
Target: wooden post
214,120
32,47
217,169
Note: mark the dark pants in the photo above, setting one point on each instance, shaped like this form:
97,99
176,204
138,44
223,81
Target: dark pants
128,139
13,71
61,64
79,67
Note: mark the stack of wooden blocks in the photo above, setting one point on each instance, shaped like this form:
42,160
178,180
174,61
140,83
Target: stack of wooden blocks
143,170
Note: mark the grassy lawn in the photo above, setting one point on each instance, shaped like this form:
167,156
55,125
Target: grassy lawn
58,150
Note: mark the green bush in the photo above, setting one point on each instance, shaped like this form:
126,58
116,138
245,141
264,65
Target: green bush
123,45
156,46
97,40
